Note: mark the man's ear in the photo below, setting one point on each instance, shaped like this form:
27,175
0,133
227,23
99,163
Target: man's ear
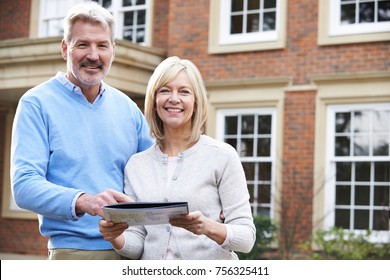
64,50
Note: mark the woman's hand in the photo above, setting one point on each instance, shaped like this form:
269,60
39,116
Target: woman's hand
113,233
198,224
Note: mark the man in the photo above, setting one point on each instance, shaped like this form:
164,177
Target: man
71,139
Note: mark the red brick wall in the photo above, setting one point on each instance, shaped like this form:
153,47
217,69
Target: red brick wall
297,171
188,37
160,24
14,19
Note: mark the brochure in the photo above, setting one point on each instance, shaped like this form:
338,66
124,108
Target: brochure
144,213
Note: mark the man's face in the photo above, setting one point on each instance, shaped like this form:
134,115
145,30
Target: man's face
89,54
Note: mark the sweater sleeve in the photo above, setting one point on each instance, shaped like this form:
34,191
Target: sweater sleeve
134,242
29,161
234,197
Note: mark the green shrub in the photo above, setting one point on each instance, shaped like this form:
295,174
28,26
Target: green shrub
265,230
340,244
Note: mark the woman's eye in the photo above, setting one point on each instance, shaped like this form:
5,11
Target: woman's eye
163,90
185,92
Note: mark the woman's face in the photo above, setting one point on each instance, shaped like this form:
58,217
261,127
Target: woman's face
175,103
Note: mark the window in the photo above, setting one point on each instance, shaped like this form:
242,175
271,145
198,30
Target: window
252,133
354,20
52,13
240,25
248,21
132,17
359,158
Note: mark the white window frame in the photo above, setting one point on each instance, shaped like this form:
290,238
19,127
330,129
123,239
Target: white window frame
330,170
53,9
221,41
338,29
331,32
255,37
116,9
220,125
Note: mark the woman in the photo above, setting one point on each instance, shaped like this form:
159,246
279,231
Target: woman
184,165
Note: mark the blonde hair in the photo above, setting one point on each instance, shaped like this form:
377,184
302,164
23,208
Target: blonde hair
165,72
88,12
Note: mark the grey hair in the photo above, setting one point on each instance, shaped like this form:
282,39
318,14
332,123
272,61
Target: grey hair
89,12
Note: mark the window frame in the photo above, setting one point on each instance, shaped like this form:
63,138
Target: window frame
117,11
331,159
330,32
221,42
220,135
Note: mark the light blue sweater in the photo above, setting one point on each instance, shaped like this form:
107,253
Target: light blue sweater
63,145
211,178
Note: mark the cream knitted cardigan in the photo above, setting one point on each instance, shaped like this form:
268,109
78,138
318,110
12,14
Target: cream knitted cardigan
210,177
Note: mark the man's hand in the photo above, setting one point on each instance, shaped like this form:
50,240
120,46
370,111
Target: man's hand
92,203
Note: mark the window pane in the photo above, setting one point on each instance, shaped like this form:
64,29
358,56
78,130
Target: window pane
384,11
263,211
269,23
362,171
343,195
107,4
253,4
343,171
361,146
248,124
246,147
236,24
237,5
343,122
342,218
140,2
264,147
249,169
141,17
381,220
253,23
381,120
366,12
140,35
129,18
231,125
362,195
265,193
265,171
362,121
269,4
342,146
264,124
361,220
128,34
348,14
382,171
380,145
381,196
126,3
